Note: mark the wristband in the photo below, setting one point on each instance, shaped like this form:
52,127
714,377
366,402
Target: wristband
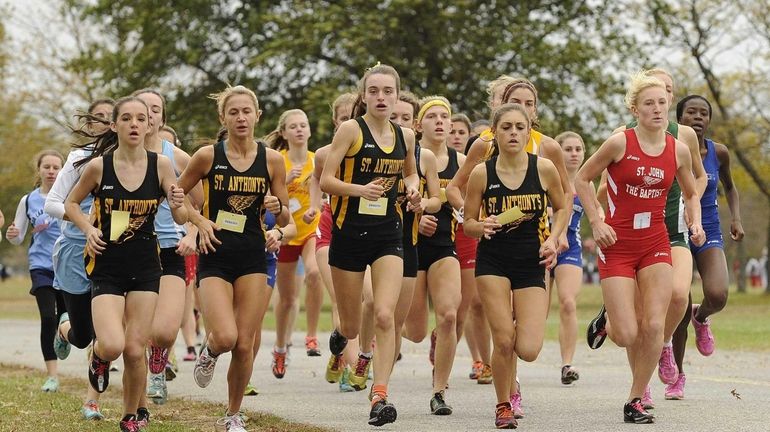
279,232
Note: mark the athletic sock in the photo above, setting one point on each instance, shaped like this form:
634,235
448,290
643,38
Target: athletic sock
668,344
280,350
379,392
367,355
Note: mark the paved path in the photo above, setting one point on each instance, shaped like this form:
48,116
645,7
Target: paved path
593,404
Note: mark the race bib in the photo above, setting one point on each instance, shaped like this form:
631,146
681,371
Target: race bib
374,208
510,215
642,220
119,220
231,221
294,205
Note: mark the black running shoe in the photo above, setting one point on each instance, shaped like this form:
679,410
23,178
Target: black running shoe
337,342
382,413
634,412
142,417
597,332
99,374
438,406
569,375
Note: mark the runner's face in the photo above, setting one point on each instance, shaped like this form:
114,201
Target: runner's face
296,130
524,97
511,132
342,114
132,124
403,114
669,86
435,124
104,112
49,168
155,104
651,107
696,115
380,95
574,153
458,137
240,116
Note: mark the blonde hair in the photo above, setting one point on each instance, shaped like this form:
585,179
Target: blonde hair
428,102
502,80
517,83
640,81
658,71
275,139
230,91
564,136
343,99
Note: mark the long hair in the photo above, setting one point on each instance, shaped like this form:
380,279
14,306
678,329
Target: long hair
107,141
359,106
275,139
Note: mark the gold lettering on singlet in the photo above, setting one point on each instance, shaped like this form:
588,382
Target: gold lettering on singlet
247,184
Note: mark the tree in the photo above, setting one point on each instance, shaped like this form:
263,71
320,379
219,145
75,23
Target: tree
705,30
301,53
21,137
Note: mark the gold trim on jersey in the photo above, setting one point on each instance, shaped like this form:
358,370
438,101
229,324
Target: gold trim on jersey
356,147
544,227
206,197
340,204
533,146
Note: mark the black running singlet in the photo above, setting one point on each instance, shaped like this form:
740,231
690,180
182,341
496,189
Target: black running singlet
524,235
364,162
447,224
234,199
411,223
124,217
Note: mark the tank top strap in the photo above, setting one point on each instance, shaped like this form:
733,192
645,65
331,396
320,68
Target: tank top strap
632,142
152,171
532,177
399,135
108,170
492,177
671,149
260,161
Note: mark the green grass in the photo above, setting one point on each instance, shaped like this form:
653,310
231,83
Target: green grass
742,325
23,407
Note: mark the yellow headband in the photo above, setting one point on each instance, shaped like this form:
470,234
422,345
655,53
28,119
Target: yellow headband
430,104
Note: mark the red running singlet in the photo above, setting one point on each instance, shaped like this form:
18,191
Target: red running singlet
637,186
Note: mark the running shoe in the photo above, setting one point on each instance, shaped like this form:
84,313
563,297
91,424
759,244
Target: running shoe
158,359
438,406
232,423
382,413
647,401
60,345
504,418
98,373
250,390
279,364
190,356
157,390
704,339
204,367
668,372
345,386
486,375
129,425
334,368
90,411
597,331
634,412
311,345
170,371
432,352
675,391
516,404
337,342
361,372
51,385
476,370
142,417
569,375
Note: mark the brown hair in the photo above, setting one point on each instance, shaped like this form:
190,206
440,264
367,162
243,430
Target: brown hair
564,136
162,100
39,160
343,99
518,83
503,109
359,106
460,117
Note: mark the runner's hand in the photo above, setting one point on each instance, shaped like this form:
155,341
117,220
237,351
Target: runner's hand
736,230
272,242
186,246
697,235
310,215
94,243
372,191
175,197
206,237
273,205
491,226
428,224
12,232
604,234
548,253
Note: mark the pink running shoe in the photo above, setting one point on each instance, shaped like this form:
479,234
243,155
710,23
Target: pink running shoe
668,372
516,405
675,391
158,359
647,402
704,339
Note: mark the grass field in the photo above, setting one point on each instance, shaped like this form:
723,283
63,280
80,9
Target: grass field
23,407
743,325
